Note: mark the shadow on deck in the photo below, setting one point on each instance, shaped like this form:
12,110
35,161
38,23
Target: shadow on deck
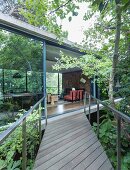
70,143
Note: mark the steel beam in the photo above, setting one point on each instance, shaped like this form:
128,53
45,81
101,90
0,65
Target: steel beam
44,79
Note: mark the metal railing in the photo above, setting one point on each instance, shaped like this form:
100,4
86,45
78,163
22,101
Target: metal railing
119,117
22,121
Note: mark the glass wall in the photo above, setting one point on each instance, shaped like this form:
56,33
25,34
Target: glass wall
17,81
52,83
20,71
1,82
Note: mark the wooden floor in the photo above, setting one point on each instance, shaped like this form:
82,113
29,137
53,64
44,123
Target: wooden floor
70,143
64,107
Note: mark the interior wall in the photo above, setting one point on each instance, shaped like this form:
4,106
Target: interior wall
72,80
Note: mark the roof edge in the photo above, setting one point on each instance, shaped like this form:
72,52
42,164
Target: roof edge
15,25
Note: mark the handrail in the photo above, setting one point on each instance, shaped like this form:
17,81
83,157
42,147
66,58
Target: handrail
117,112
119,116
51,87
7,132
22,121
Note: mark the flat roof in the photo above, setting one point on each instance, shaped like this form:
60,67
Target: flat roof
53,47
14,25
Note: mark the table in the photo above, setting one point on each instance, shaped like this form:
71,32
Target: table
54,98
23,99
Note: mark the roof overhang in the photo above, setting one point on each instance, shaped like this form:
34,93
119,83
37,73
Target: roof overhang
53,47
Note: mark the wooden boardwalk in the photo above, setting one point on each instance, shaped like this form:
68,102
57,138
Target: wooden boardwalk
70,143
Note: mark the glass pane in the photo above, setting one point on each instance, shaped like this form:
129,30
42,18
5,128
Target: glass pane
52,83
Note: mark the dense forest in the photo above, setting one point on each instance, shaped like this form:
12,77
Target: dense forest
107,47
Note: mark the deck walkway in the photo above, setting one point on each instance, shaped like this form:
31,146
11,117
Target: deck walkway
70,143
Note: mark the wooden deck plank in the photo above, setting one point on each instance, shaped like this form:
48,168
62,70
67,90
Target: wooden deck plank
60,164
61,135
70,155
65,125
90,159
59,150
71,144
64,129
64,119
57,145
76,161
106,165
97,163
50,143
60,160
59,124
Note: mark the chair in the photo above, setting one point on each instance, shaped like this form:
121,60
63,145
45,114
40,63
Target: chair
48,98
79,94
72,96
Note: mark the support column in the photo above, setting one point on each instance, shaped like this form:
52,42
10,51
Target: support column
94,87
58,84
3,83
44,79
26,82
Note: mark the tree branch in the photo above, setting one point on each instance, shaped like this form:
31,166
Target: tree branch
63,5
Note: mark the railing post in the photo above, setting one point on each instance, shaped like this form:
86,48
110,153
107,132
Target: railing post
85,96
45,112
24,145
89,107
97,119
40,131
118,143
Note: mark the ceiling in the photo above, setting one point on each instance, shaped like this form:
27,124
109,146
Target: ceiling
53,47
53,53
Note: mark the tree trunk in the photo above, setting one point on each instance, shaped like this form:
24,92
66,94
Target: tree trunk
115,55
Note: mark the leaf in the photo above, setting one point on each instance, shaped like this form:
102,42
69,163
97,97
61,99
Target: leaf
2,164
75,13
124,167
96,2
126,5
9,155
10,164
70,18
56,1
117,1
16,164
95,124
101,6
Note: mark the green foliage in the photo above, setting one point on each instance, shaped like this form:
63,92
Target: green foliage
90,64
108,138
14,165
11,149
19,52
24,56
9,111
45,13
8,106
52,82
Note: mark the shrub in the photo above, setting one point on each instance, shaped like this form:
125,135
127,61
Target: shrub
11,148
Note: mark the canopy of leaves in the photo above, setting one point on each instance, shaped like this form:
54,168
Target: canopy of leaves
46,14
17,52
91,65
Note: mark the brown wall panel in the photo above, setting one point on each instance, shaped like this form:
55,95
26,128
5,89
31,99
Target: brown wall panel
72,79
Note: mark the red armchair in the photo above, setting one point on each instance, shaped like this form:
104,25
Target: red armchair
72,96
79,94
